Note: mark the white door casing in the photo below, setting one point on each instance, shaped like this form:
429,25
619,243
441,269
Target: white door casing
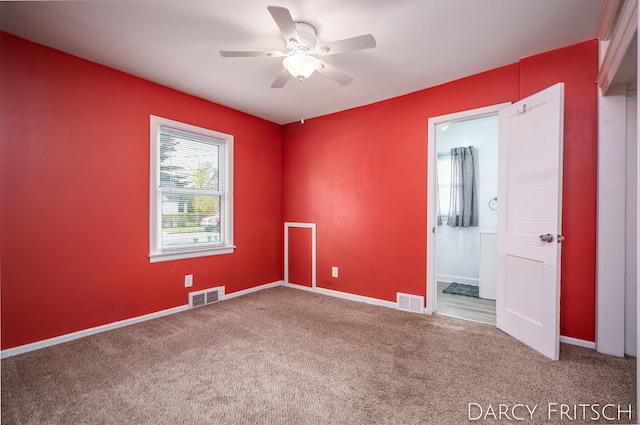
432,284
530,206
312,226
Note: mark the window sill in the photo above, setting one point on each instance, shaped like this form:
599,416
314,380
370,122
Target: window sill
157,257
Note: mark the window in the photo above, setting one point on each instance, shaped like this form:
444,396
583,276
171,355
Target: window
191,191
444,186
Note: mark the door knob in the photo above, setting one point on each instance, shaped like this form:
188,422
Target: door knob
546,238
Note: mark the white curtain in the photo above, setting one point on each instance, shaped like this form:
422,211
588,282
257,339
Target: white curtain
439,213
463,204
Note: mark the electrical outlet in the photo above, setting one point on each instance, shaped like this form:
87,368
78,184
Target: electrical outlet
334,272
188,280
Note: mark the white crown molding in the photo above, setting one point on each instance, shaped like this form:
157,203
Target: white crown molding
608,15
622,33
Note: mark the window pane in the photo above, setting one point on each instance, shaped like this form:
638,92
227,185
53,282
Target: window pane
189,220
444,183
189,162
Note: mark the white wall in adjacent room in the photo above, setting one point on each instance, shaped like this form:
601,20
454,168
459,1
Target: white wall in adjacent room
458,249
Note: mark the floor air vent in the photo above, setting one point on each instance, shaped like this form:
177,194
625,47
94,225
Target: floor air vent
412,303
207,296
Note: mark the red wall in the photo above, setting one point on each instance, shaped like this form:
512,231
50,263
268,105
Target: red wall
360,175
577,66
74,176
300,254
74,190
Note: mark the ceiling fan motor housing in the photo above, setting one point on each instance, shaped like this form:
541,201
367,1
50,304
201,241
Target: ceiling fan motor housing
307,42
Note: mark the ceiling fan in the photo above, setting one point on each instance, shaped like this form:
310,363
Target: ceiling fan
300,59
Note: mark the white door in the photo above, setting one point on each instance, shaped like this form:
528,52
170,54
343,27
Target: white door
529,220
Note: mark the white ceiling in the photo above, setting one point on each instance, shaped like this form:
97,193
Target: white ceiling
420,43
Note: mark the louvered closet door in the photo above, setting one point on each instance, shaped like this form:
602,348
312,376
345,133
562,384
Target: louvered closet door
529,220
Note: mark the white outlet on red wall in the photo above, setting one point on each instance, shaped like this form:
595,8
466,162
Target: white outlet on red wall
188,280
334,272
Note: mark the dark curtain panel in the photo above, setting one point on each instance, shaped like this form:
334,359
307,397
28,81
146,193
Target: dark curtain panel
463,206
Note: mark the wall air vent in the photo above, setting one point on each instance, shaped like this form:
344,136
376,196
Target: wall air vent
412,303
196,300
204,297
211,297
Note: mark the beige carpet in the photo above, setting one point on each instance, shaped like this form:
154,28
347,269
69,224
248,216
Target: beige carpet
284,356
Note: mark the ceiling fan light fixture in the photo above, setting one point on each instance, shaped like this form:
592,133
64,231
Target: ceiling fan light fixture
301,65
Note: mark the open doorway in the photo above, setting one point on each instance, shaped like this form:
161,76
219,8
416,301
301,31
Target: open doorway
461,260
529,216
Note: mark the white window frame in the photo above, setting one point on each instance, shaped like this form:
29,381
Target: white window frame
444,209
156,252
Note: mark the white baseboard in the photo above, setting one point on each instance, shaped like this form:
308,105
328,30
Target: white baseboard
297,286
250,290
460,279
86,332
344,295
358,298
115,325
578,342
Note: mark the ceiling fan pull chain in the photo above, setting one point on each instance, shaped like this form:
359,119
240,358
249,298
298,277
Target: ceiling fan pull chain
301,101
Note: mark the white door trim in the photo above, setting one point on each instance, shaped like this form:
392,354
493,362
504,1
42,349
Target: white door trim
638,231
611,224
431,191
312,226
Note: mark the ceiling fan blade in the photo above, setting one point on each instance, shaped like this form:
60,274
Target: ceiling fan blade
283,19
335,74
281,79
249,54
361,42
